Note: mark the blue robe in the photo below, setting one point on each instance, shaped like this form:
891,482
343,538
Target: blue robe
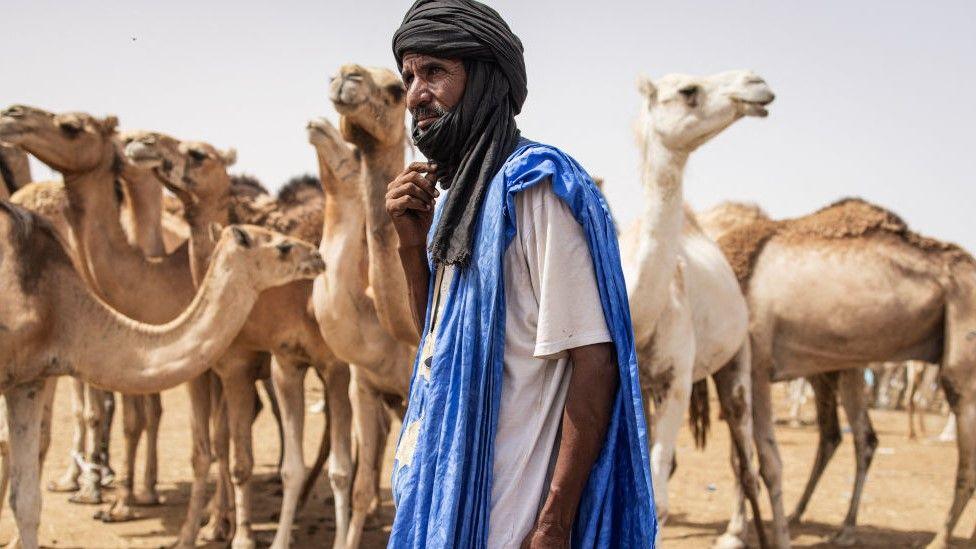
442,490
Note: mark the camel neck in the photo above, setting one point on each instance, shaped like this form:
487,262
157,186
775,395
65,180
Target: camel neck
144,211
200,216
163,286
660,230
117,353
386,276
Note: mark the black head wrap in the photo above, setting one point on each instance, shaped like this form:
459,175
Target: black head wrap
472,141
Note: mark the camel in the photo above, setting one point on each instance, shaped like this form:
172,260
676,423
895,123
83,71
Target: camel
44,298
280,323
371,105
84,150
873,291
93,407
14,170
690,319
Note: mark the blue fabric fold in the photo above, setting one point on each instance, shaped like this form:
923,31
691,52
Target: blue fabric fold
442,488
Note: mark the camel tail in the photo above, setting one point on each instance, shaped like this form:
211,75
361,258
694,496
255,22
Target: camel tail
698,413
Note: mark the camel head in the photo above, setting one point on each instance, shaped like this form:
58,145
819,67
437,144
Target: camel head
683,112
372,106
194,171
70,142
273,258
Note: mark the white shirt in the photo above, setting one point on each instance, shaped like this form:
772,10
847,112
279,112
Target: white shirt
552,304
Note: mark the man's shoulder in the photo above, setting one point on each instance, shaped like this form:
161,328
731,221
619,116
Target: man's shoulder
532,156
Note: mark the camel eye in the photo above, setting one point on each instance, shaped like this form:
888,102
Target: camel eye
197,155
284,248
688,91
71,129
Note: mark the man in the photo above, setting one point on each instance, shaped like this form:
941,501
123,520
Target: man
524,425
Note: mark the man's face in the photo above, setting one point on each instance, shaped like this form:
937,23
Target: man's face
434,86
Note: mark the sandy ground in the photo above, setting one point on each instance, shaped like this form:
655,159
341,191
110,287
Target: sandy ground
906,497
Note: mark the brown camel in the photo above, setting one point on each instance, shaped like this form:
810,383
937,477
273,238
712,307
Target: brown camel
872,291
372,107
55,326
14,170
348,319
280,323
84,150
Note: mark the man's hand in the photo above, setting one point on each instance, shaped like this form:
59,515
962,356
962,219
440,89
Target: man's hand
410,202
546,536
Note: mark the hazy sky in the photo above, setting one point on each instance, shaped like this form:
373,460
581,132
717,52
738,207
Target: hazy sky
876,99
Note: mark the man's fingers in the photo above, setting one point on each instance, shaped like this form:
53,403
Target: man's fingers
399,206
413,190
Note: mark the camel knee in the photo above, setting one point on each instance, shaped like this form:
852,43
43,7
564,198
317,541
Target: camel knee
340,481
240,471
201,461
292,474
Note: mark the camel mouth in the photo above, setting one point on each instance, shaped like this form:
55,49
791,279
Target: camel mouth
143,155
313,267
754,108
11,127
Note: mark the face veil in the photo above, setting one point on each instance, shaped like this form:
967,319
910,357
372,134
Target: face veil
472,141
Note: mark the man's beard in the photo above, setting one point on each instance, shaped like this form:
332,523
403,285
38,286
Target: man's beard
426,111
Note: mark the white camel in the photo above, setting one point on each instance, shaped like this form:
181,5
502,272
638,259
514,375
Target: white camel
690,318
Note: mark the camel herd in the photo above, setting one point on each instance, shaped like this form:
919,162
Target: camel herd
220,285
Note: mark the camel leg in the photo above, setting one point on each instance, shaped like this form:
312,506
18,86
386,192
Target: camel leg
770,463
199,391
69,479
289,386
340,458
90,489
133,424
965,413
25,408
239,394
220,525
368,417
865,442
669,416
105,438
153,410
325,443
269,390
733,383
825,395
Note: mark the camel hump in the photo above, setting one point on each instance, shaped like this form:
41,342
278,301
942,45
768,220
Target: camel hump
47,198
35,242
858,218
743,244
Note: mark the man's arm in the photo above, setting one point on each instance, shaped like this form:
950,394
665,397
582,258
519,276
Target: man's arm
586,416
410,202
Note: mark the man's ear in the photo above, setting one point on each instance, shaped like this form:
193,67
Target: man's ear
215,230
241,236
647,88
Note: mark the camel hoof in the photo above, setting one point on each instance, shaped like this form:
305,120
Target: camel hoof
243,542
87,496
147,499
728,541
63,485
116,513
217,529
844,538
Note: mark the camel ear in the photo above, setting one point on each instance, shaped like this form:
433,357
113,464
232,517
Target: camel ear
109,123
242,238
215,230
228,157
647,88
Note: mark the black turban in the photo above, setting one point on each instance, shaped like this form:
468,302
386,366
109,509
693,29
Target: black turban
471,142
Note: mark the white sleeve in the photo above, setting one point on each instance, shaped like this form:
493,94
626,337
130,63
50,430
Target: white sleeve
559,264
